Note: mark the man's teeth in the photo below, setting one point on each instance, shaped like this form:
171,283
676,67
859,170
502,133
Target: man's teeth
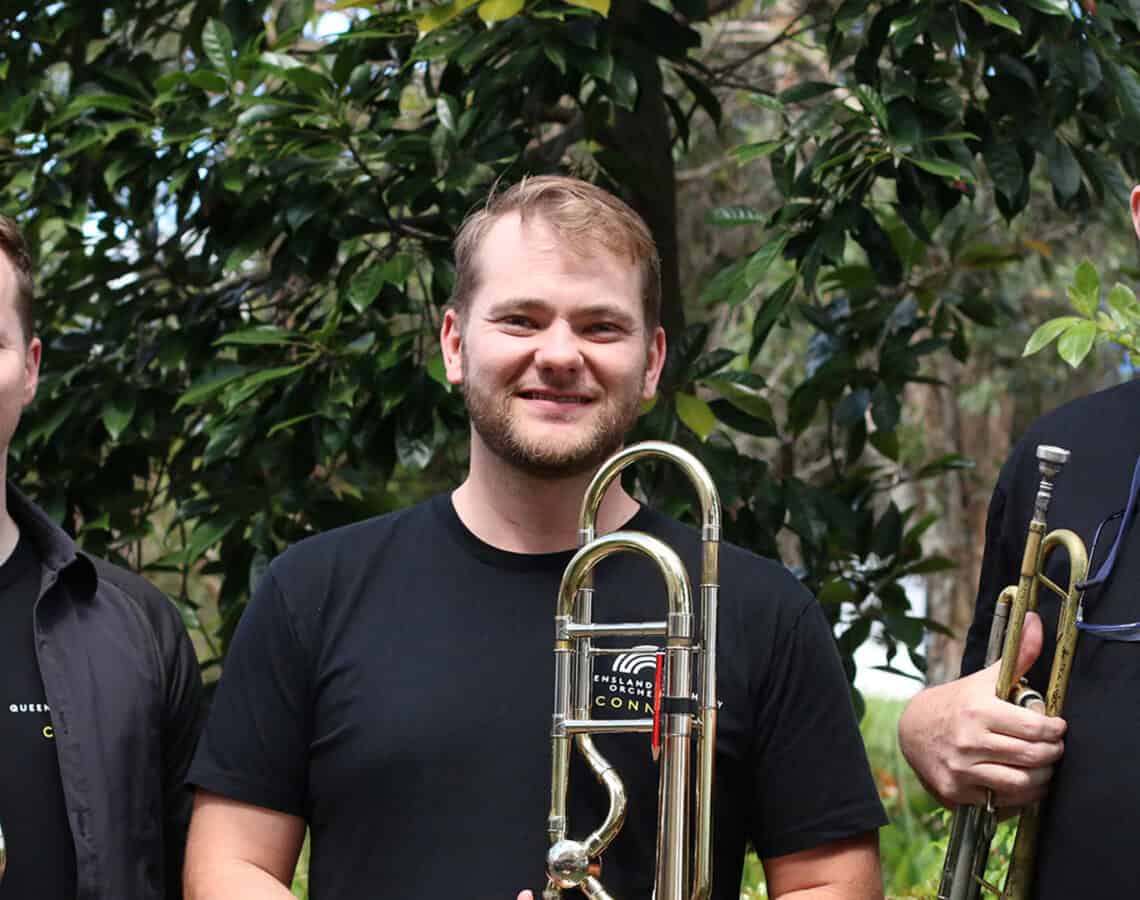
530,396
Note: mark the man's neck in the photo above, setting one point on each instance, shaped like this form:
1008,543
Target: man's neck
522,513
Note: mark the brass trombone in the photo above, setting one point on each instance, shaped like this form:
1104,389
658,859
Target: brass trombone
972,828
686,709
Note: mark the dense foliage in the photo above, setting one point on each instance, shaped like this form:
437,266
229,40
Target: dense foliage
243,214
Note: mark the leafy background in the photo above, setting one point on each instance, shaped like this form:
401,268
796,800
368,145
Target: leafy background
242,212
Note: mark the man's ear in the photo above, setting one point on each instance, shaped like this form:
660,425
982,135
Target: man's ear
654,363
451,342
1134,203
32,369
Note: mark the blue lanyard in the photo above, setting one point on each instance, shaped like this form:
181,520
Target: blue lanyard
1127,631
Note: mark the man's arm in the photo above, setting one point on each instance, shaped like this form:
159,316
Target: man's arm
960,739
239,850
842,870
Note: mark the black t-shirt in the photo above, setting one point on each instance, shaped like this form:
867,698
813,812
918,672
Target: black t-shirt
392,683
1092,814
41,855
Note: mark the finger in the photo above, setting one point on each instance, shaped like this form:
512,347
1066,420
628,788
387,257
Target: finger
1010,719
1011,786
1032,638
1003,750
525,895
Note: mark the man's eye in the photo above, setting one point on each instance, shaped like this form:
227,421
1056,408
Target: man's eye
518,322
604,328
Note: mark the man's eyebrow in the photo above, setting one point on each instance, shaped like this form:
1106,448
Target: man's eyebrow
606,311
514,304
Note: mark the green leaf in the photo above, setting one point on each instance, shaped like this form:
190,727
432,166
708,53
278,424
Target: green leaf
996,17
246,388
1122,301
729,216
289,423
873,103
492,11
366,285
258,336
1076,342
601,7
204,536
945,168
1047,332
437,17
1003,162
437,371
696,414
1064,171
117,415
1051,7
754,151
1084,292
806,90
766,101
218,44
209,384
743,399
770,311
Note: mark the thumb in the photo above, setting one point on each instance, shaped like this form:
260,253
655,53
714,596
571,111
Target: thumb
526,895
1032,637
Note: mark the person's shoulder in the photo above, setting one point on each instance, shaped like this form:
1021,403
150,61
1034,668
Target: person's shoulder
1101,429
743,571
1086,417
355,545
116,581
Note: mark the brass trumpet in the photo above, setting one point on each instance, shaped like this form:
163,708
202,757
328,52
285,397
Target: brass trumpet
686,709
972,828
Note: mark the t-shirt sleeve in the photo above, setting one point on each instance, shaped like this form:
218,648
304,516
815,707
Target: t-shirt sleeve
256,743
812,782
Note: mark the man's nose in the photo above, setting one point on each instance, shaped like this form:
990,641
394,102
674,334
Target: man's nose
558,349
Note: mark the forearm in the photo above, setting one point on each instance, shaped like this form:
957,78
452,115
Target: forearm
835,892
232,878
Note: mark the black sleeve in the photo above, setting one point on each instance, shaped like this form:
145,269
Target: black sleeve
1001,563
183,709
256,743
812,782
185,713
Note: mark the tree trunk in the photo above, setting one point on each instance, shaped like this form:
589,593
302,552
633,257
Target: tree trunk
961,499
643,136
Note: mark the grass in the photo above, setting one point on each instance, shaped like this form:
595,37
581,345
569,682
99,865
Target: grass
911,846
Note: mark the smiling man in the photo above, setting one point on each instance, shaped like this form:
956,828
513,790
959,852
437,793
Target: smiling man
390,685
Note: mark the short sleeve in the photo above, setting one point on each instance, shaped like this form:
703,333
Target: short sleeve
256,743
812,782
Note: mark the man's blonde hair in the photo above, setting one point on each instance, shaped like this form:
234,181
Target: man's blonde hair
582,214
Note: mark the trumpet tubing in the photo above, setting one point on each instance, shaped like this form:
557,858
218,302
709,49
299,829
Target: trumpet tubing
972,827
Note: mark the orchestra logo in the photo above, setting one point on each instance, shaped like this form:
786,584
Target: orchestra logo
46,731
623,684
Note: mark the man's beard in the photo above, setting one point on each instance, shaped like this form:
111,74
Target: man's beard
493,420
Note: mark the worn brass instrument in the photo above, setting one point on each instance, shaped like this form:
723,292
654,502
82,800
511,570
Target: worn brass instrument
685,712
972,829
